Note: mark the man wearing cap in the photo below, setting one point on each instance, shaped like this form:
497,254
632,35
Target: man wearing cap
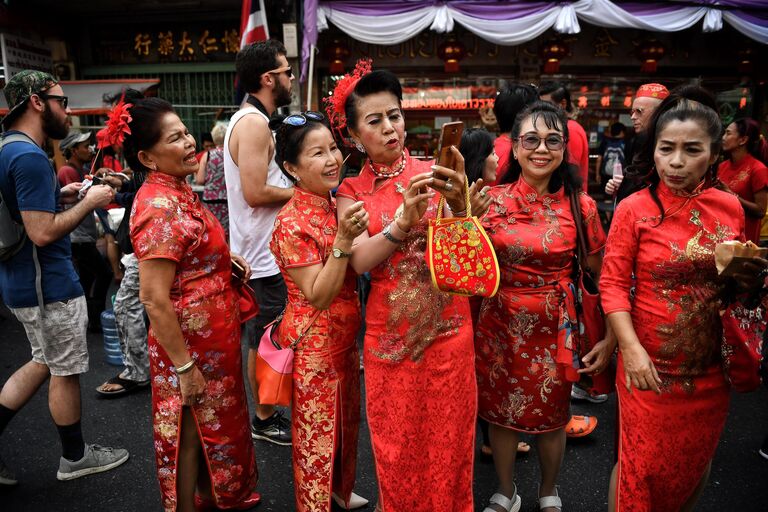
56,325
647,99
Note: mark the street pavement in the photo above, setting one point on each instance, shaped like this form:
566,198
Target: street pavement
30,446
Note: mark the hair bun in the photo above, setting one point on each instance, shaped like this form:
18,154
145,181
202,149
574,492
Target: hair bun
276,121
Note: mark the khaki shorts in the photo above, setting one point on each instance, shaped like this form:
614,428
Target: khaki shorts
59,339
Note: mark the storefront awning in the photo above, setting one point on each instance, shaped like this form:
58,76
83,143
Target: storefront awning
513,23
88,97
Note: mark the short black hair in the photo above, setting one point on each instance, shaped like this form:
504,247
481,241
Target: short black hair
256,59
476,145
374,82
289,140
558,92
510,101
617,128
145,129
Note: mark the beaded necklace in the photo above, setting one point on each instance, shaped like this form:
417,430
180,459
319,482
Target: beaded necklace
396,171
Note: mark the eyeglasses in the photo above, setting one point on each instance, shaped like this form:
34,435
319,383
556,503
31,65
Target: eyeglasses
63,100
303,118
288,70
532,141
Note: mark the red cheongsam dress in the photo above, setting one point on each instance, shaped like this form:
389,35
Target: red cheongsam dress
667,440
325,409
421,396
524,338
169,222
746,179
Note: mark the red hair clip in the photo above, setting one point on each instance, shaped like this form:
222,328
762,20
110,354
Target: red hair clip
334,104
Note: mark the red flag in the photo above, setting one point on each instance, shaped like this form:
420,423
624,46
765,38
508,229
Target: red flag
253,22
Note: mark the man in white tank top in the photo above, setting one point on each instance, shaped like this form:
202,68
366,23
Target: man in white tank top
256,190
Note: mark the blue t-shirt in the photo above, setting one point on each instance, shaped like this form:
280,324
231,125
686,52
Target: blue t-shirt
29,183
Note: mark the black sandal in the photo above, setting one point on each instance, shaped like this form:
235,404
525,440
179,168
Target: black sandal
128,386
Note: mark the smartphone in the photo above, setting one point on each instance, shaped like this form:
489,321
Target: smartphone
450,135
238,272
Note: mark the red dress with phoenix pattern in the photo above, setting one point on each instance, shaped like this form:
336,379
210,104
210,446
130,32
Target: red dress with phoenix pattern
667,440
746,179
523,337
419,365
168,221
325,409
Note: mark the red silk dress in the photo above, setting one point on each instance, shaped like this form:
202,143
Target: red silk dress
524,341
325,409
746,179
667,440
419,365
168,221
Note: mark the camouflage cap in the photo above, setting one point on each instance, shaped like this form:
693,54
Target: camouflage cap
21,86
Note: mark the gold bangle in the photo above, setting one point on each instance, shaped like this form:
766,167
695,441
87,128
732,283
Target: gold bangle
185,367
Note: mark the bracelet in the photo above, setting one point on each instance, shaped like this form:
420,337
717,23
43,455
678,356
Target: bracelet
180,370
389,236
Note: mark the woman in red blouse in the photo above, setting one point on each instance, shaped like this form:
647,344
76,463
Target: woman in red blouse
524,343
203,447
323,312
744,173
672,392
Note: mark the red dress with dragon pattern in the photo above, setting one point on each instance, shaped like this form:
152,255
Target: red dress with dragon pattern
421,396
325,409
667,440
169,222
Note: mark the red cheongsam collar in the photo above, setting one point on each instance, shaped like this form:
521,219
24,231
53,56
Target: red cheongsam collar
530,194
174,182
307,197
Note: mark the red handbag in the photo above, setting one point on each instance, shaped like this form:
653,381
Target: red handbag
589,311
741,346
249,308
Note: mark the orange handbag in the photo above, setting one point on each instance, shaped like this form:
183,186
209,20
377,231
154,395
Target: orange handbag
460,256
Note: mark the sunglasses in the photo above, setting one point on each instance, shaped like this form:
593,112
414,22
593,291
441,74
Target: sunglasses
303,118
288,70
63,100
531,142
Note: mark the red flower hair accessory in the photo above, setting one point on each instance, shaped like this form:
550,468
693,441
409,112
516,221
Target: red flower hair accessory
334,104
117,125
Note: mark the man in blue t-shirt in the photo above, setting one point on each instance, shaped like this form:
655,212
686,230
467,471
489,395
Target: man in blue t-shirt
57,328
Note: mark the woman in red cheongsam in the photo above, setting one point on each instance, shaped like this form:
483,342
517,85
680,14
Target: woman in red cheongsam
421,394
203,448
744,173
524,344
323,313
672,392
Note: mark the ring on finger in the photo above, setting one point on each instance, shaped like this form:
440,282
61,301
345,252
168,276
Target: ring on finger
448,185
483,194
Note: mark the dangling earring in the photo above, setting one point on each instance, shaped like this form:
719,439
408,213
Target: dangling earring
359,147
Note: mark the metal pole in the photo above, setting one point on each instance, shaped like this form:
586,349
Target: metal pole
311,76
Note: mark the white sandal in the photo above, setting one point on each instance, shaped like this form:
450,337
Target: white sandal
355,501
551,501
510,505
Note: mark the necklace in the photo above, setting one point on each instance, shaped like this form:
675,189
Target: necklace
385,172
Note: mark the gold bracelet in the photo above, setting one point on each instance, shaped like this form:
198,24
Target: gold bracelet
185,367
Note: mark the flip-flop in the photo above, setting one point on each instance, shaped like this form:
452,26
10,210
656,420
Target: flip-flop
128,386
580,426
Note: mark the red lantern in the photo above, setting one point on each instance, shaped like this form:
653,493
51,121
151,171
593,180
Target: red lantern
650,52
336,53
553,52
451,52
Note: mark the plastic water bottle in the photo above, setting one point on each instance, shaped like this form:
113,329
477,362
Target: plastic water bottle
111,338
618,172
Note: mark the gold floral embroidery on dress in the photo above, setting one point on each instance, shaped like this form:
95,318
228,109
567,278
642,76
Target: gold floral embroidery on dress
741,176
686,284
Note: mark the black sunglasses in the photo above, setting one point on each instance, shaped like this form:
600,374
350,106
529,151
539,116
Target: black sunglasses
64,100
303,118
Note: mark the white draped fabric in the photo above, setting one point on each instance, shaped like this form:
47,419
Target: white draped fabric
388,29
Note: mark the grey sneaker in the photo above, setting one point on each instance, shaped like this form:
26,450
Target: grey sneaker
578,393
275,429
95,460
6,475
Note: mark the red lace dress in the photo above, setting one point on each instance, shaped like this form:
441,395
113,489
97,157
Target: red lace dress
746,179
169,222
325,409
523,339
419,365
667,440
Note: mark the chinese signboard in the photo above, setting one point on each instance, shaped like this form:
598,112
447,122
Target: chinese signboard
20,53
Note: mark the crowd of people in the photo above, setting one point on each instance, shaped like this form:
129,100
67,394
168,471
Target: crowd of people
275,205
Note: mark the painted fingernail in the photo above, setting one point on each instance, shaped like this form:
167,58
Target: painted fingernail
433,167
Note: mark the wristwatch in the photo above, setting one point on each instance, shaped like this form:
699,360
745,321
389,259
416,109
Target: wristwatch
338,253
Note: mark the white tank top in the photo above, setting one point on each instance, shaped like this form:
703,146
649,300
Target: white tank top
250,229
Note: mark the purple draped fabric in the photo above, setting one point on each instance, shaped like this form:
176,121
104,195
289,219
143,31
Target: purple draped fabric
309,38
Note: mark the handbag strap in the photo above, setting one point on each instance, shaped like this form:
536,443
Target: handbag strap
295,343
581,240
441,203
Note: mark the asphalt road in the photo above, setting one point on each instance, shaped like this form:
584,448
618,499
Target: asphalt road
30,446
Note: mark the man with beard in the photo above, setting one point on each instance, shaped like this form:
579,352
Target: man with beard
39,283
256,190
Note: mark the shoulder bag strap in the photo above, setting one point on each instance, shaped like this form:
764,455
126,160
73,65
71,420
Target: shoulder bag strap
306,329
581,246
